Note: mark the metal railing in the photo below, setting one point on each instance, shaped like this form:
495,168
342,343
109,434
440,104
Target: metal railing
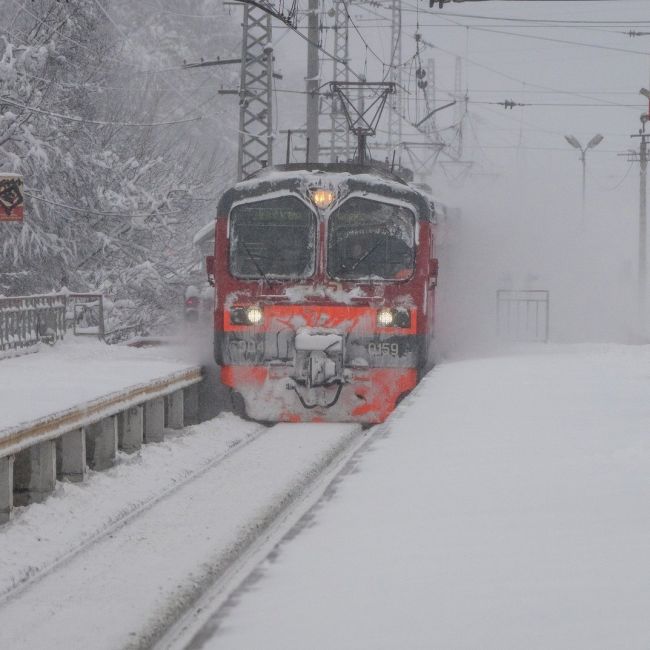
28,320
523,316
87,311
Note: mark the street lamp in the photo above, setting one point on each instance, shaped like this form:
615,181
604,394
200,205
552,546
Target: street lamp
594,142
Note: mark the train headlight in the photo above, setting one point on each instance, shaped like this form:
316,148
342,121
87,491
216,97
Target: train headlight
254,315
399,317
385,317
246,315
321,197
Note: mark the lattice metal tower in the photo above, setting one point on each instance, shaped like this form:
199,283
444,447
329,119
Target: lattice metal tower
255,94
396,103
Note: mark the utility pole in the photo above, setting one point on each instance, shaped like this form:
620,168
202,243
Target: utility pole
396,105
313,81
643,234
574,142
335,139
643,219
339,135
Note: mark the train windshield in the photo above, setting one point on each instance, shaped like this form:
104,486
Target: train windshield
274,238
370,240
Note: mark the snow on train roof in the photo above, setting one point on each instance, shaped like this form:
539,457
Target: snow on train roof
345,177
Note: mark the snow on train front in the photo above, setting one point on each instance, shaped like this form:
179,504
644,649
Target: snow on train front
325,282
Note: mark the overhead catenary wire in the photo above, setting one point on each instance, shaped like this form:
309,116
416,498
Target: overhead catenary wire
553,21
560,104
364,41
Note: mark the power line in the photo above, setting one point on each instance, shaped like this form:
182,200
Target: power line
558,40
99,213
539,38
536,20
511,104
510,77
365,42
73,118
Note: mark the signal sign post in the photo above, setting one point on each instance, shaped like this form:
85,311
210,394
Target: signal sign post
11,197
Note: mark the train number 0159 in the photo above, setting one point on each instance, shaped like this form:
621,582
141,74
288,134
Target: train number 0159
383,349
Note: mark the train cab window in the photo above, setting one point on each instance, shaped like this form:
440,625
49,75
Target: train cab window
371,240
274,238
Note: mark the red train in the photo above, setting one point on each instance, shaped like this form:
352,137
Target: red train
325,279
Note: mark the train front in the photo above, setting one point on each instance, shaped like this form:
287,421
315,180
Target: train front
324,293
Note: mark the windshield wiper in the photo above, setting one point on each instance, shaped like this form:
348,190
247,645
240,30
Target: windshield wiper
260,270
358,261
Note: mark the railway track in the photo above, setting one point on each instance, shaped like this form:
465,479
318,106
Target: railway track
200,622
147,575
125,513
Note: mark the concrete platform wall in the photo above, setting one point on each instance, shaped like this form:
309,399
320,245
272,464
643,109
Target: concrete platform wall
30,475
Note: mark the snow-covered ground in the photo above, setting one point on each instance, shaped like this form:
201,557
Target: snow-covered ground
505,505
111,562
75,371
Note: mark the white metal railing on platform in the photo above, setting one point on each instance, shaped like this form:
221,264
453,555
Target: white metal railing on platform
523,315
27,320
64,444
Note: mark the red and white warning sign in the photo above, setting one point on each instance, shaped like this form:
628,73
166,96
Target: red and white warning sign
11,197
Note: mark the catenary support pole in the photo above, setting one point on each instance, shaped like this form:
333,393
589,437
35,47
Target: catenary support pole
256,82
584,181
313,81
643,236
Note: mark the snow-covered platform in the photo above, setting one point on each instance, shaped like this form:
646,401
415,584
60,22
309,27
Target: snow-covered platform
504,505
75,372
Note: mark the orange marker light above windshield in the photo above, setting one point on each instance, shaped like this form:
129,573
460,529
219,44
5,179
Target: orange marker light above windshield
322,198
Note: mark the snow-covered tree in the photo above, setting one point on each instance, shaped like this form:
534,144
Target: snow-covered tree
124,151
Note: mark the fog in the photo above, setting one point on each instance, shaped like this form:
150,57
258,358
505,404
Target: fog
529,233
